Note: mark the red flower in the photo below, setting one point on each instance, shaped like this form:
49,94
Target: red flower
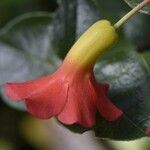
71,93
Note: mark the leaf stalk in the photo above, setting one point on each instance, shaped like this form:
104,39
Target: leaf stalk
131,13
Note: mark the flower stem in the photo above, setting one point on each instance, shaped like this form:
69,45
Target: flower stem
131,13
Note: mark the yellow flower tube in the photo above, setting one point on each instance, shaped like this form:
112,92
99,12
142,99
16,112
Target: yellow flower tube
97,39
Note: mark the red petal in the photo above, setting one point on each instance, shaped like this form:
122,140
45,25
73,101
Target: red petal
106,108
49,101
45,97
18,91
80,107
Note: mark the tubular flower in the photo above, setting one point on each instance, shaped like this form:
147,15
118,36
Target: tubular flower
71,93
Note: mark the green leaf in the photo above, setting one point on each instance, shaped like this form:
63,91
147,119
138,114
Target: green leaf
10,9
36,41
26,49
133,3
64,27
70,23
83,21
146,57
137,30
106,11
125,71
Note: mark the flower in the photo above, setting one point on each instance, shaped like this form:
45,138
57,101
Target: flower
71,93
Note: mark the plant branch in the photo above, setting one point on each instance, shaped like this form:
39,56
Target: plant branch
131,13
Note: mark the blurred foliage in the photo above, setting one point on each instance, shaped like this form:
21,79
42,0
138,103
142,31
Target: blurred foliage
137,30
133,3
36,133
54,32
12,8
5,145
30,34
10,137
141,144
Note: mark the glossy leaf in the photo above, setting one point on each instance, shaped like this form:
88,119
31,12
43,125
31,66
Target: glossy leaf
10,9
133,3
83,20
137,30
125,71
26,50
35,40
111,10
64,27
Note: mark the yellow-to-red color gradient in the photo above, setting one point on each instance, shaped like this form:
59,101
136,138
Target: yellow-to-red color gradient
71,93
